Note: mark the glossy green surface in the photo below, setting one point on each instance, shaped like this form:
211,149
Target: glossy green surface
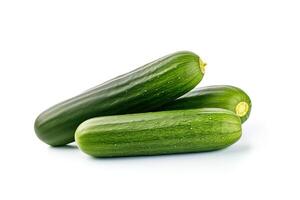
154,133
217,96
143,89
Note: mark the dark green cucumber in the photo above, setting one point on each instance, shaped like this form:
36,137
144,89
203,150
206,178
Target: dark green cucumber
141,90
154,133
217,96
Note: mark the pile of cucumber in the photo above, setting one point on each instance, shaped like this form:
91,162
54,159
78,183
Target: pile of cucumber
149,111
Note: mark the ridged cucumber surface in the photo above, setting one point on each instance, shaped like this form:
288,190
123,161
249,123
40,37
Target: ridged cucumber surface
217,96
141,90
155,133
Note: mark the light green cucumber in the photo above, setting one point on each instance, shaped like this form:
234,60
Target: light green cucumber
216,96
155,133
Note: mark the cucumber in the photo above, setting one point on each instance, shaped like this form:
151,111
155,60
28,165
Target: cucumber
141,90
155,133
217,96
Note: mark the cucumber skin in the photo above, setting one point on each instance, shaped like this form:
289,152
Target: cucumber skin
216,96
156,133
141,90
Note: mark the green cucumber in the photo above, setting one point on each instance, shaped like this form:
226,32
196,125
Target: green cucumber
155,133
141,90
217,96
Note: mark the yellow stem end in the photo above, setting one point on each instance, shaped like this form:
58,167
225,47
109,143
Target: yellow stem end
202,66
241,109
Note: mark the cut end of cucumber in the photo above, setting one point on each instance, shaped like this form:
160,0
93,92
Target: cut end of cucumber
241,109
202,66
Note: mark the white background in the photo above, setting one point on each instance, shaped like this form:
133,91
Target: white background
53,50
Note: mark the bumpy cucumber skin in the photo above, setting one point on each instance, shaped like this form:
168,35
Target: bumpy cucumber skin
156,133
216,96
141,90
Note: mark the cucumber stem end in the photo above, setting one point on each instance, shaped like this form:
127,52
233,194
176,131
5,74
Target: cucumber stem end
202,66
241,108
